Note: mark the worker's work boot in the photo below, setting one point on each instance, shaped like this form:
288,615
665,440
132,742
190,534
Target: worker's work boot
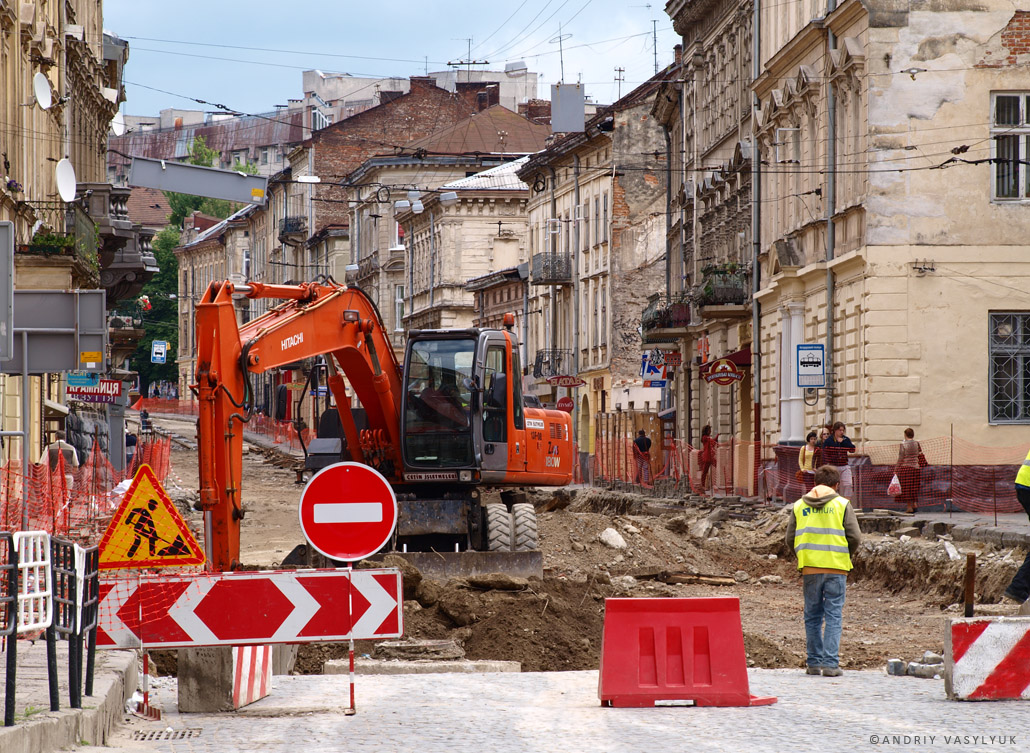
813,670
832,671
1010,594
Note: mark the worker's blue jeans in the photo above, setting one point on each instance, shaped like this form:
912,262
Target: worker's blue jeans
824,603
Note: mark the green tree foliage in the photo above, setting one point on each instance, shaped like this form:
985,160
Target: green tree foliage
183,205
161,321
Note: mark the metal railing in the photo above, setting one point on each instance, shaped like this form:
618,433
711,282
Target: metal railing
724,288
551,269
297,225
553,362
666,312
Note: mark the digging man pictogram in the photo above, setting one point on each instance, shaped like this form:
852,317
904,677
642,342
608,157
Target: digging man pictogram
142,522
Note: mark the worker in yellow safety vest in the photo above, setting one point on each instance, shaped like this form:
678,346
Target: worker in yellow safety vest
1019,588
823,532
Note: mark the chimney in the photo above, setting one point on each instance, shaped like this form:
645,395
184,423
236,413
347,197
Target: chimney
536,110
678,52
422,83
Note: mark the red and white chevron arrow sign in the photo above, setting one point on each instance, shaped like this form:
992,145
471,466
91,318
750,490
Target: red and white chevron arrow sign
235,609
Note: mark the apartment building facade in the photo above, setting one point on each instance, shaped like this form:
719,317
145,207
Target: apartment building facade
596,249
895,232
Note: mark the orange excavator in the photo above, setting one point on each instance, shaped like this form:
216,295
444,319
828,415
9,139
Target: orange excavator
443,427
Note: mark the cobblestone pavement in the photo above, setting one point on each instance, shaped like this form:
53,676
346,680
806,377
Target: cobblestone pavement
559,711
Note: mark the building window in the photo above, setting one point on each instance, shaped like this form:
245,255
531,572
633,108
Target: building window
586,225
1010,138
1010,367
597,220
604,222
398,308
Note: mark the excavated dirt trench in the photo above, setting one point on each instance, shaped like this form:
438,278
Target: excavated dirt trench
897,597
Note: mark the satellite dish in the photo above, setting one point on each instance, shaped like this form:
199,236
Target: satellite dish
41,90
118,123
66,180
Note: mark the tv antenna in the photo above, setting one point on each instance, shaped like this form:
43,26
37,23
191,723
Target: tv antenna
654,34
468,62
560,39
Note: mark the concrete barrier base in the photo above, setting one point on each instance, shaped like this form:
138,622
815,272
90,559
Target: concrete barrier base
987,658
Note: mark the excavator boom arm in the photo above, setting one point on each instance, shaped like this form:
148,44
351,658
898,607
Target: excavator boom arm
338,322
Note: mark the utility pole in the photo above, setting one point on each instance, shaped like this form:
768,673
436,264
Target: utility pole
620,76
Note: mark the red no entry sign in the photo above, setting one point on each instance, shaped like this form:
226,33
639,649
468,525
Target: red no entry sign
348,511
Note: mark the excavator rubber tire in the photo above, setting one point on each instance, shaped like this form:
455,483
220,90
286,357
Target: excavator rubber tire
525,535
498,528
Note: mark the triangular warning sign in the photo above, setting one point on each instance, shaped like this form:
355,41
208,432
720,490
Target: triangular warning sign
147,530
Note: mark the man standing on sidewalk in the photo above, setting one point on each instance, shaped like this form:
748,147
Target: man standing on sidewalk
1019,588
823,532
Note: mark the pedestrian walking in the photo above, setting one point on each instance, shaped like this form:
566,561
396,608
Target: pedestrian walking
835,452
707,459
909,470
642,457
1019,588
823,532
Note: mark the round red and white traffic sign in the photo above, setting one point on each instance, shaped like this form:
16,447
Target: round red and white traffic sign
565,404
348,511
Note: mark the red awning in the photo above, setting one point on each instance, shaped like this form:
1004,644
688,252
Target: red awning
739,358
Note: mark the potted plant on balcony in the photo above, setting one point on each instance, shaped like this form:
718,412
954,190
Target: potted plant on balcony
46,241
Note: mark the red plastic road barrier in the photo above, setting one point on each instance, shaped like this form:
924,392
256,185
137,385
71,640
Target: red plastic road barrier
987,659
252,674
674,650
248,608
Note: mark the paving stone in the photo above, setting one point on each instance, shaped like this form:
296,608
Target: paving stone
962,533
897,667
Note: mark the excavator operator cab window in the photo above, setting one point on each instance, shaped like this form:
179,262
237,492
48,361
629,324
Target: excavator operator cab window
437,403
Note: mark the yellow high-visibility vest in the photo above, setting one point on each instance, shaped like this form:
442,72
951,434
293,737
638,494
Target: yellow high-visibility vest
820,540
1023,477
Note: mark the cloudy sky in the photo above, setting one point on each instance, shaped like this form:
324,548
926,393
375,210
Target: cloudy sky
249,55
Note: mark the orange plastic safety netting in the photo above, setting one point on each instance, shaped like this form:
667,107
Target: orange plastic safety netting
279,432
67,501
953,474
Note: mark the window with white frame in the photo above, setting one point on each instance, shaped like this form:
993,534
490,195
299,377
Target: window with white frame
597,219
398,308
604,221
1009,349
1010,142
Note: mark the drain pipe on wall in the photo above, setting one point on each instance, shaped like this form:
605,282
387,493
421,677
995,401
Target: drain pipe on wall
576,292
756,241
552,242
831,209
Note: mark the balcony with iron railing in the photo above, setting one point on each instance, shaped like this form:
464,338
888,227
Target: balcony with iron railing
292,229
551,269
664,313
553,362
64,229
724,292
368,266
